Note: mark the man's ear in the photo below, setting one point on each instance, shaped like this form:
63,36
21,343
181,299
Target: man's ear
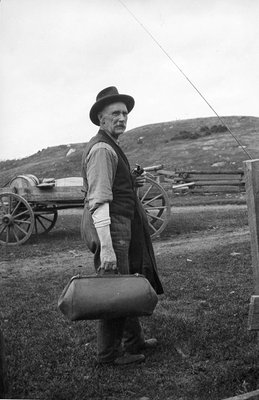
100,115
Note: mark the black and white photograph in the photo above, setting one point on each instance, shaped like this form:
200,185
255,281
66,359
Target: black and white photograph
129,205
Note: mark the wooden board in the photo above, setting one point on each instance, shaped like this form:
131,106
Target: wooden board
213,172
70,181
210,177
169,180
212,189
254,395
252,195
52,194
252,198
167,173
253,316
215,182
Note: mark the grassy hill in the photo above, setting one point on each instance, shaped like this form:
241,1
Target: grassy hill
200,144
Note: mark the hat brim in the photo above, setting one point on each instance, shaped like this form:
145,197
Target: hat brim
99,105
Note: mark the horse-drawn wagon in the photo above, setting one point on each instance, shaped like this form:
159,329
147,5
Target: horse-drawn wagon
30,205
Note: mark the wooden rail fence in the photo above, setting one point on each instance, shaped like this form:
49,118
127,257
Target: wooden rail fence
204,181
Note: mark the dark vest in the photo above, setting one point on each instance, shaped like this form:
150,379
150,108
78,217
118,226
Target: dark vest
123,202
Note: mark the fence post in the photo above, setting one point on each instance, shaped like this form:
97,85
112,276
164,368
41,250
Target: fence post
251,168
3,381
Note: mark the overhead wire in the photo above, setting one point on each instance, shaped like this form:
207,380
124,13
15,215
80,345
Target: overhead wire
186,77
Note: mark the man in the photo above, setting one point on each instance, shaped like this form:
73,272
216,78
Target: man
113,223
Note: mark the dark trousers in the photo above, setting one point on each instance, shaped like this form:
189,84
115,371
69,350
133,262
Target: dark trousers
115,334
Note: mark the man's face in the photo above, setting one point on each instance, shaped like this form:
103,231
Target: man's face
113,118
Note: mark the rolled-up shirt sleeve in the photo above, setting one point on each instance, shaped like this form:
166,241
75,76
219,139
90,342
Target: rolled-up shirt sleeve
101,163
101,216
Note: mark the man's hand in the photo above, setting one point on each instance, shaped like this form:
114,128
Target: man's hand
138,177
139,181
108,260
108,256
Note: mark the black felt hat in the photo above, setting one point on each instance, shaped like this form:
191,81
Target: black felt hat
108,96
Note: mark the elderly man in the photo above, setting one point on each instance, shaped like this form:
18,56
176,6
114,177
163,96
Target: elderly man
114,225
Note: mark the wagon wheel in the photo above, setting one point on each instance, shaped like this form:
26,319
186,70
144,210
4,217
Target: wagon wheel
45,220
157,206
16,219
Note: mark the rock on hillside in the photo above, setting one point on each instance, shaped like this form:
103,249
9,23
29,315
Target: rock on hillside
200,144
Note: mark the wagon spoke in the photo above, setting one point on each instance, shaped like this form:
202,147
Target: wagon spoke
156,217
152,208
3,205
15,235
145,194
7,234
23,221
9,205
11,233
16,207
35,226
22,230
153,228
45,220
22,213
40,221
2,230
153,199
41,217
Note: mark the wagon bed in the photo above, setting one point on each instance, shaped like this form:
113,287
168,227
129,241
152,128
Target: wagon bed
30,206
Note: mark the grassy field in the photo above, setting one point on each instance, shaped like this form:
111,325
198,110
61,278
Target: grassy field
205,350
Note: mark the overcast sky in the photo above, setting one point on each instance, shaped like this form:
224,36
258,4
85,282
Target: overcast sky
56,55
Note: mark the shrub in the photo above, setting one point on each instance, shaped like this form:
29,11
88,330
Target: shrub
204,129
218,128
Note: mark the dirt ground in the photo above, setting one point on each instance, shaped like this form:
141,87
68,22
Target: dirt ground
204,240
176,244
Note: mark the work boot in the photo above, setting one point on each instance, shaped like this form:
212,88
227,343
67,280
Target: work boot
128,358
149,344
